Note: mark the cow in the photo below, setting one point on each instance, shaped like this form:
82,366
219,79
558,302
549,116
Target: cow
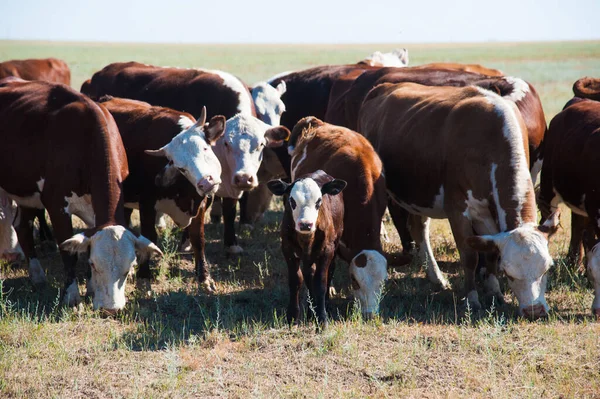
171,147
461,154
76,164
10,250
474,68
48,69
568,176
347,155
311,229
239,150
396,58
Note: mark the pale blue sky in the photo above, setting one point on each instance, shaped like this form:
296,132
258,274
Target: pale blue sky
305,21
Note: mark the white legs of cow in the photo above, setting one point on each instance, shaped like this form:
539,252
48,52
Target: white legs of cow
419,229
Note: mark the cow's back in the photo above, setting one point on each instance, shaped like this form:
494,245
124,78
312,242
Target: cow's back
49,69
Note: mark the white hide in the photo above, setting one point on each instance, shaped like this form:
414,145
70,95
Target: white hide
520,89
267,101
397,58
169,207
9,243
81,207
593,272
240,152
305,199
368,281
114,251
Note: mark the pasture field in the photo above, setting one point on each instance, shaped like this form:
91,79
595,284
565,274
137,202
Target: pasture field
173,341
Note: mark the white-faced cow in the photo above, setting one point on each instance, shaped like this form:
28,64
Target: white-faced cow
311,230
239,150
396,58
75,161
569,175
461,154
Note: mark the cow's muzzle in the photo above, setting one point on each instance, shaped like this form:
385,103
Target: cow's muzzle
244,181
534,312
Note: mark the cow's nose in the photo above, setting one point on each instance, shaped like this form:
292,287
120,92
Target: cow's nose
535,312
242,180
305,226
207,184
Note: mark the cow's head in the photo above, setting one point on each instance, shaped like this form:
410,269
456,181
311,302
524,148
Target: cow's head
305,196
525,259
397,58
114,252
240,150
10,250
267,100
590,242
368,271
191,154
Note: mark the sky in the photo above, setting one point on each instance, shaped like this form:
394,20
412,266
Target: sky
304,21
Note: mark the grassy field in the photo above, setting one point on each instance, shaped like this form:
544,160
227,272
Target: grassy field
172,341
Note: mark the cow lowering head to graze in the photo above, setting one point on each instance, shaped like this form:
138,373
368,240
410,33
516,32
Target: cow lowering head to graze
464,157
47,69
184,155
75,161
347,155
311,229
569,175
397,58
10,250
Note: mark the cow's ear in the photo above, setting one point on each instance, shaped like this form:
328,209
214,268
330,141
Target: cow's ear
79,243
281,88
275,136
214,129
144,249
482,243
278,186
550,226
589,240
333,187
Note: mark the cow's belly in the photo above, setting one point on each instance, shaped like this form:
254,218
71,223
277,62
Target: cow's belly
576,206
434,208
170,208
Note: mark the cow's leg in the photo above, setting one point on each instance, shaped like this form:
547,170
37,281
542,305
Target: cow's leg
148,230
244,214
318,287
25,234
229,209
63,230
330,288
196,232
462,229
128,212
295,280
216,210
490,282
45,232
401,220
578,224
419,230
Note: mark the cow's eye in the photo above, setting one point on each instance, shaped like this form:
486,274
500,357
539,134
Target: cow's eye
226,144
318,204
292,203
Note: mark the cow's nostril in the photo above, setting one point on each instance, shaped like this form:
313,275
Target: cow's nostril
251,179
209,178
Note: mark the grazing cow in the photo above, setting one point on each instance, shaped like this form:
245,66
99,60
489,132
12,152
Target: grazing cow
76,164
10,250
171,147
346,154
569,175
474,68
239,150
311,229
461,154
47,69
397,58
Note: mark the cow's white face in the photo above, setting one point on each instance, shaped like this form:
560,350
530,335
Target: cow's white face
397,58
114,252
240,151
191,154
10,250
368,271
267,101
525,259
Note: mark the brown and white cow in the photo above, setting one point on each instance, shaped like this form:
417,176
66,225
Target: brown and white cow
461,154
569,176
75,163
239,150
340,152
172,147
47,69
311,229
474,68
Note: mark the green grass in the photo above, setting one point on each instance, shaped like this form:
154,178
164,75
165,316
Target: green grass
172,341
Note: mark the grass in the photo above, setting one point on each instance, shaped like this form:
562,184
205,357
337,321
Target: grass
172,341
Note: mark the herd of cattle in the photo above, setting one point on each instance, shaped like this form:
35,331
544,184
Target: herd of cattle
340,143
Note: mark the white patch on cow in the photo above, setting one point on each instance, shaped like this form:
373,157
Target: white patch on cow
185,123
501,212
240,152
535,170
40,184
36,272
81,207
245,100
297,163
593,273
304,199
267,101
169,207
397,58
478,212
72,296
520,89
370,280
32,201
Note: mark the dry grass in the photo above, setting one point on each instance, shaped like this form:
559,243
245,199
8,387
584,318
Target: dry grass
172,341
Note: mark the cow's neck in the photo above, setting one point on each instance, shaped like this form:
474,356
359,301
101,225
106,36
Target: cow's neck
513,195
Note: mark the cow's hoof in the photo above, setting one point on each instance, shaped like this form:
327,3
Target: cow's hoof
472,301
186,246
72,297
234,250
37,274
208,285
